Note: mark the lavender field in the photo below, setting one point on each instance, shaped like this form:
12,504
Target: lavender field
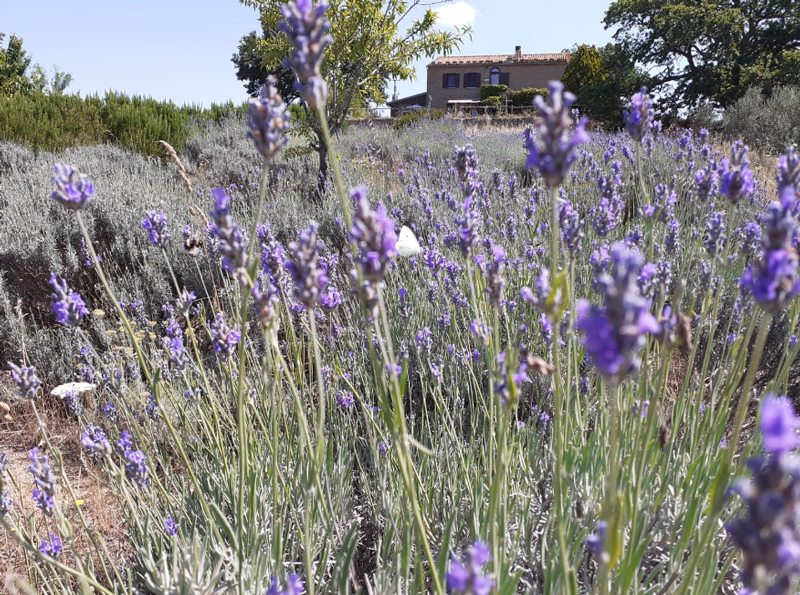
581,380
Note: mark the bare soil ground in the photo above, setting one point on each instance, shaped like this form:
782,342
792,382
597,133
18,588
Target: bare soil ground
18,435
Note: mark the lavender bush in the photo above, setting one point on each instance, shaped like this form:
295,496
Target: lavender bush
531,404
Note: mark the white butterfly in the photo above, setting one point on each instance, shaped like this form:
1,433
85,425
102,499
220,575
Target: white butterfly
407,244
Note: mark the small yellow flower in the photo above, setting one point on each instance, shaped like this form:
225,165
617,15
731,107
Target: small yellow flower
98,313
111,333
79,502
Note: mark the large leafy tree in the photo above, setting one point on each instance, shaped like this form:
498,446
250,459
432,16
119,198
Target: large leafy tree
14,65
374,41
710,49
253,66
18,77
603,80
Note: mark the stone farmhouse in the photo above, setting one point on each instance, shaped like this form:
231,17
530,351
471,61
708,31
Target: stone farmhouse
457,80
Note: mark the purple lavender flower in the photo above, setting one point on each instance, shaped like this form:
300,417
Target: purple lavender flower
596,542
672,239
557,153
51,548
571,226
68,305
155,223
466,162
542,298
170,527
424,340
72,189
737,179
95,442
293,586
789,177
135,467
231,241
6,503
638,115
184,302
268,120
706,180
466,577
306,28
404,308
44,480
345,399
309,279
779,424
224,338
750,236
768,534
265,303
615,333
373,233
26,380
715,236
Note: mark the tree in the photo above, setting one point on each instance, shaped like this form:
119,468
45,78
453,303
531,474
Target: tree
710,49
585,68
603,80
14,64
15,77
370,47
251,67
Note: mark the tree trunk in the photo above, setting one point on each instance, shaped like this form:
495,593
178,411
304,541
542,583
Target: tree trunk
322,177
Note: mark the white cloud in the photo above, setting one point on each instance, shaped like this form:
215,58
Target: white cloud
455,14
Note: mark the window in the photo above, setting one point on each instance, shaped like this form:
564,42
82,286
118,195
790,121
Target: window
450,81
499,78
472,80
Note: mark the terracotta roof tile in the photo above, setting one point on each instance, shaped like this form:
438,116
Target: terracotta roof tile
500,59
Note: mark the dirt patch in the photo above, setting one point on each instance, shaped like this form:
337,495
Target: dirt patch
97,503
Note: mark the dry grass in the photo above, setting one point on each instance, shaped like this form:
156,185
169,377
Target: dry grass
99,507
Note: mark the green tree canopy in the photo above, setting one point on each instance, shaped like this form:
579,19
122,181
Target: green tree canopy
586,68
603,80
253,66
18,78
14,65
710,49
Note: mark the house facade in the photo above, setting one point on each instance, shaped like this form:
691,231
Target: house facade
458,79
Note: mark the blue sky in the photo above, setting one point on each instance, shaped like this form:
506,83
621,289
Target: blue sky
181,49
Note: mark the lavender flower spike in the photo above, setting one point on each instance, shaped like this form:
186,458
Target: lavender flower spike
294,586
25,377
737,181
306,28
615,333
68,305
309,279
373,233
466,577
638,116
268,120
72,189
557,153
155,223
768,533
44,480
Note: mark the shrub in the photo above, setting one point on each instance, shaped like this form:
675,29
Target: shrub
415,116
524,97
56,122
765,123
493,91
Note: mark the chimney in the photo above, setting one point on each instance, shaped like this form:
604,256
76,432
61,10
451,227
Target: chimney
518,53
